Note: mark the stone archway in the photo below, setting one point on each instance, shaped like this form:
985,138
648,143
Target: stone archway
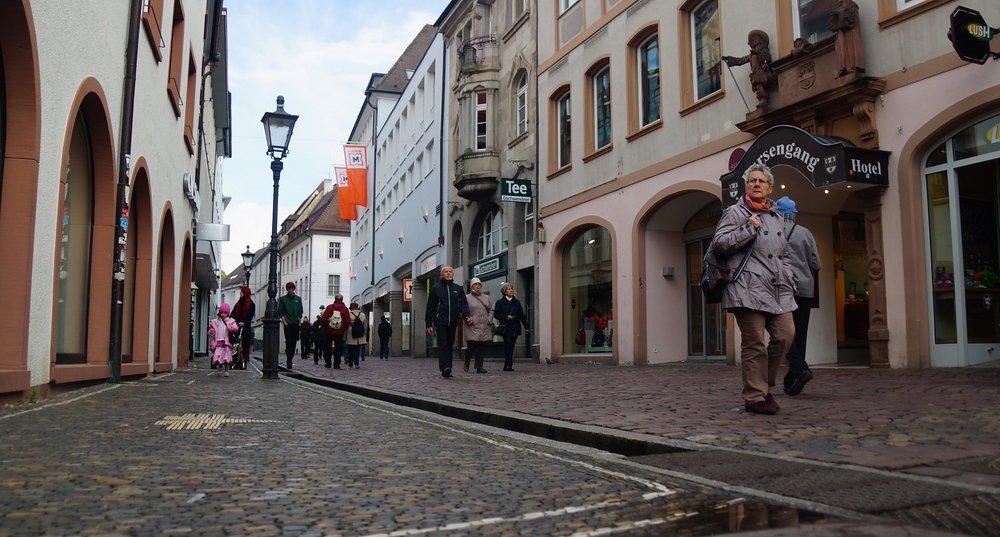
19,157
139,276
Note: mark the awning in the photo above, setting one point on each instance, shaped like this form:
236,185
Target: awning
825,163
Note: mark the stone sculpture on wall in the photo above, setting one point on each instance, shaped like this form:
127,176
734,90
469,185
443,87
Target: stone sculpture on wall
759,58
845,24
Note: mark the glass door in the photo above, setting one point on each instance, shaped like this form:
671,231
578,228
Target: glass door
706,322
962,196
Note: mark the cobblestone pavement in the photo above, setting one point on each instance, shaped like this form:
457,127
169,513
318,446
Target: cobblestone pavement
923,420
192,453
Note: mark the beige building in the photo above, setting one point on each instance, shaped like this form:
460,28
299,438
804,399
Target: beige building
492,125
886,139
111,199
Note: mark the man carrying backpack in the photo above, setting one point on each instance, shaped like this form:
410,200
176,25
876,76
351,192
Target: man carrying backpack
336,319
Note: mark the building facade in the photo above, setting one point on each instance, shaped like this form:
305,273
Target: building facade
491,124
314,250
398,239
106,186
886,140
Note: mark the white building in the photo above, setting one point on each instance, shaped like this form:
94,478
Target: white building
398,240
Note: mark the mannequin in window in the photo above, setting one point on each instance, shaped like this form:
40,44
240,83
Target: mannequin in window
844,23
761,75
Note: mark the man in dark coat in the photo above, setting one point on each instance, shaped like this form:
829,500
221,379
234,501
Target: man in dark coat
445,306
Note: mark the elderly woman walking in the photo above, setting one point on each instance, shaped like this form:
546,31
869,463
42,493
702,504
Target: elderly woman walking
480,330
510,314
761,298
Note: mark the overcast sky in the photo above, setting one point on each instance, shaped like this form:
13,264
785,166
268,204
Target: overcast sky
320,55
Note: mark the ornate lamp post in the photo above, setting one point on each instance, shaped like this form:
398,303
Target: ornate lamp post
278,127
247,264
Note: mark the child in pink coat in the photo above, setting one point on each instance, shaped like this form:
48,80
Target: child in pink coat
218,340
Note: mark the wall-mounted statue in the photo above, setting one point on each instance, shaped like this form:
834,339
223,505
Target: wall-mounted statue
845,24
761,75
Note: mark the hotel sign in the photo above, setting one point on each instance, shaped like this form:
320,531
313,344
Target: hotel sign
827,163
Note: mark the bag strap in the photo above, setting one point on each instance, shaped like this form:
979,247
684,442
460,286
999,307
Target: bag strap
795,225
743,262
489,309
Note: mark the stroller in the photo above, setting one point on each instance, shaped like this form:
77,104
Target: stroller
236,340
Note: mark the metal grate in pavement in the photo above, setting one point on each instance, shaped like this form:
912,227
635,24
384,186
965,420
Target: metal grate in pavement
980,465
974,515
849,489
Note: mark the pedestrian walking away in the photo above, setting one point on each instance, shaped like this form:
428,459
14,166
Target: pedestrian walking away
510,314
336,320
446,304
804,260
243,314
305,336
219,342
761,295
321,343
355,337
384,337
480,331
290,313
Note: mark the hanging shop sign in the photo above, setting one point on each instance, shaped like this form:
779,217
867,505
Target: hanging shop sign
516,190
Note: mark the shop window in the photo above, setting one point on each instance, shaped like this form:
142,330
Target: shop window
75,230
587,309
962,185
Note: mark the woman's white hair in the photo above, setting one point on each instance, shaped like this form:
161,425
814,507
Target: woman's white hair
758,167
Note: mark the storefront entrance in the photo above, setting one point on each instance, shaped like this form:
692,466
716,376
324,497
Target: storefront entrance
962,199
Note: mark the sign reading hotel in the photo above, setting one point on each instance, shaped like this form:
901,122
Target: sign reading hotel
828,163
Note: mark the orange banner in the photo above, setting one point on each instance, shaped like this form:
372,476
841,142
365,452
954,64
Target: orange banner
343,186
348,210
356,157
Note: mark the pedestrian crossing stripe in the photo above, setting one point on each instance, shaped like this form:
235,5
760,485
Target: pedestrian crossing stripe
190,422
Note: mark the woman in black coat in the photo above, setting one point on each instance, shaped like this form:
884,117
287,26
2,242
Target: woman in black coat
510,314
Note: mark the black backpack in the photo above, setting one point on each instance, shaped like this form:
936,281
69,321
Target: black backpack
357,327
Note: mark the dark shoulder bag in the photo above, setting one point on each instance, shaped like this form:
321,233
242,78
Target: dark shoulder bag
715,275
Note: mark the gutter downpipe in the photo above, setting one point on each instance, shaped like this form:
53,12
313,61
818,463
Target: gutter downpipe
121,205
441,164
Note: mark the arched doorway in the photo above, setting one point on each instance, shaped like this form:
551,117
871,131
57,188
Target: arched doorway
187,299
165,278
138,275
706,336
961,193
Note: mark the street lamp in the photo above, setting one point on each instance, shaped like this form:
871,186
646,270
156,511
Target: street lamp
278,127
247,262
